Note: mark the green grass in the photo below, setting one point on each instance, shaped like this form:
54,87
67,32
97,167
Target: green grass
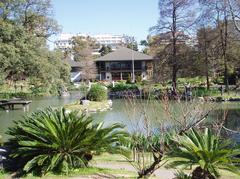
91,171
87,172
109,158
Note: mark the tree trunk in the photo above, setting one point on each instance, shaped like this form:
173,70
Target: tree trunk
200,173
174,79
224,39
206,58
174,48
149,170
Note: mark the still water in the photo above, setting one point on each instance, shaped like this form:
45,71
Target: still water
126,113
7,118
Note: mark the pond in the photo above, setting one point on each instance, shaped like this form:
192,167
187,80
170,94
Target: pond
7,118
123,112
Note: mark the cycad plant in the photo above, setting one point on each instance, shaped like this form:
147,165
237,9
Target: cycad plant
56,141
207,153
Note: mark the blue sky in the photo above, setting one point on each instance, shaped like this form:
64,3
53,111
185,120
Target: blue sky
131,17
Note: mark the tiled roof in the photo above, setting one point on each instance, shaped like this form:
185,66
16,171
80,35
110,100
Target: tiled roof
124,54
72,63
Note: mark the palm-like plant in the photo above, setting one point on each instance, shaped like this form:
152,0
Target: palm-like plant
52,140
208,153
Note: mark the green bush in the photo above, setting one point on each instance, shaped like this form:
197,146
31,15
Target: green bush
129,79
97,93
208,153
145,82
139,79
219,80
59,142
15,95
123,87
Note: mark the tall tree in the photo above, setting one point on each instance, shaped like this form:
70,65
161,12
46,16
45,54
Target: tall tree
24,28
130,42
206,37
220,13
175,17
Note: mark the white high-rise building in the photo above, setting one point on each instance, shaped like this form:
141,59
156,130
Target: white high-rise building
64,40
112,40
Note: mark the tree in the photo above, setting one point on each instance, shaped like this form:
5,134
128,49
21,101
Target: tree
206,36
131,43
206,151
88,70
25,27
151,134
220,13
83,48
234,6
146,46
34,15
223,31
105,50
175,17
69,141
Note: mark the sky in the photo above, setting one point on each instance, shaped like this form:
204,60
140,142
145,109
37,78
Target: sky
130,17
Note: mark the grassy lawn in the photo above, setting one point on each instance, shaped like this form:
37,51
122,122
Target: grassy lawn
88,172
110,158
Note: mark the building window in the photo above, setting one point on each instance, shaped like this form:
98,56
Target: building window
116,76
138,65
126,75
115,66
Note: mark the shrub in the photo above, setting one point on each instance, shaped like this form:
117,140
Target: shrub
145,82
129,79
97,93
123,87
54,141
207,152
9,95
138,79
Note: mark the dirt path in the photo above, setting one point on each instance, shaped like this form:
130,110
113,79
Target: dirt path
160,173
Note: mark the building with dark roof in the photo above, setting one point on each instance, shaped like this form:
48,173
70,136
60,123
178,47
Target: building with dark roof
124,62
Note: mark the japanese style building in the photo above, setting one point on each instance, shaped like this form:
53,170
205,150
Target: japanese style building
122,63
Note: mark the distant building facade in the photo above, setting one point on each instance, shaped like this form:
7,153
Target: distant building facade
182,38
117,65
65,40
122,63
